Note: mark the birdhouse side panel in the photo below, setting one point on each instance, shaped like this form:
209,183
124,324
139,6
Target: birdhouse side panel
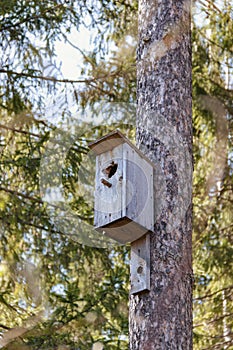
108,187
139,188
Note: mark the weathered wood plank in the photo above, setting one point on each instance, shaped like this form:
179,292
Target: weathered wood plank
112,140
108,191
140,265
123,230
139,191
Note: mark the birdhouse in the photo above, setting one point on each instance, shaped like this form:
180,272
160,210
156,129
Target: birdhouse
124,207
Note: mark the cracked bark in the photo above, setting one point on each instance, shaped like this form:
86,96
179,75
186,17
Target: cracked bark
162,318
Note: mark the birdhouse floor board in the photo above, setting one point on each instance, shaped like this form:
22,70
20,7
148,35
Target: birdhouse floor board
123,230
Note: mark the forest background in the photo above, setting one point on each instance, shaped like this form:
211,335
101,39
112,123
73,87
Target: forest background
61,286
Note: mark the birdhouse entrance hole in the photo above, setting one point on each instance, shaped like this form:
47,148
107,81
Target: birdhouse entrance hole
110,170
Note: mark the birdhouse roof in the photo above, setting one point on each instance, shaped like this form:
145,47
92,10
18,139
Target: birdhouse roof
112,140
108,142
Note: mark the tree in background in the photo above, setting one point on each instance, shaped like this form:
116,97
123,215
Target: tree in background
54,290
84,290
212,117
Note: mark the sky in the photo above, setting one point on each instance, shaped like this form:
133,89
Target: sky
70,57
71,65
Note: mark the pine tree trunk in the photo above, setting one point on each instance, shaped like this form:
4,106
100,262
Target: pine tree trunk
162,318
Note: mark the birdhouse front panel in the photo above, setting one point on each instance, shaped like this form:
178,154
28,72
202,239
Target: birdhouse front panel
108,187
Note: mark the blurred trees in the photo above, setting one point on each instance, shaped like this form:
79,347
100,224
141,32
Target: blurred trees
213,181
57,293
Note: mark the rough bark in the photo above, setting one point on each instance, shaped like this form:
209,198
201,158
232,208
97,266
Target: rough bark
162,318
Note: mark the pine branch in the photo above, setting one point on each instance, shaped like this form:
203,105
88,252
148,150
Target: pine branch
19,131
55,80
41,77
4,327
214,293
29,19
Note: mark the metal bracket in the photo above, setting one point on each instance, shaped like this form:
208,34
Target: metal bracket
140,265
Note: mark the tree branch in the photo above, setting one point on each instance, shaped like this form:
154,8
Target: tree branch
4,327
28,19
41,77
53,79
19,131
212,294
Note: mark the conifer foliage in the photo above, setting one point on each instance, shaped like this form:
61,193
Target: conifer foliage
56,292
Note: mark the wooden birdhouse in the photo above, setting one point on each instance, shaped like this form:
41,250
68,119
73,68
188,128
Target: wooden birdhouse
124,206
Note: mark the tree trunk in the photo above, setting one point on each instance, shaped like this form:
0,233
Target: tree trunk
162,318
